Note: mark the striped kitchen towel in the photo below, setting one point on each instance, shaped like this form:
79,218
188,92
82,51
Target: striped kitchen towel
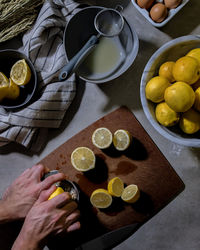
43,44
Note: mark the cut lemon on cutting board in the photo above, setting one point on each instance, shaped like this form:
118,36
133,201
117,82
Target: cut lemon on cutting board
122,139
115,187
102,138
131,193
100,198
20,73
58,191
4,86
83,159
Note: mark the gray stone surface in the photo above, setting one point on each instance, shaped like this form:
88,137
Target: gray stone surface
177,226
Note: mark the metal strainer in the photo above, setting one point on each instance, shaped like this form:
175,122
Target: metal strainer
108,22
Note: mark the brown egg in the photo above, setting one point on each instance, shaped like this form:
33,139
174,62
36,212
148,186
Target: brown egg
145,4
172,4
158,12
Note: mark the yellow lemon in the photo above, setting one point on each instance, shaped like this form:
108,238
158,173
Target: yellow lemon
13,91
131,193
100,198
194,53
186,69
20,73
58,191
115,187
102,138
190,122
4,86
179,96
122,139
155,88
83,159
165,70
197,99
165,115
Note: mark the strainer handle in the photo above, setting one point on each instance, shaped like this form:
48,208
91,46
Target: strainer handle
73,64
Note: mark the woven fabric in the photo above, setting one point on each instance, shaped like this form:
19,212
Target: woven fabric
43,44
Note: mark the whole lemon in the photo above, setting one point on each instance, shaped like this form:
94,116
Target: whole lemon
179,96
186,69
165,115
190,122
155,88
197,99
194,53
165,70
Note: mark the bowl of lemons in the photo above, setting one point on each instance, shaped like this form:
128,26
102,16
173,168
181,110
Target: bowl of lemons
18,79
170,90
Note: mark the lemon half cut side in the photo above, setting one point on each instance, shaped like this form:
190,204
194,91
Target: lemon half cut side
102,138
100,198
4,86
122,139
83,159
131,193
20,73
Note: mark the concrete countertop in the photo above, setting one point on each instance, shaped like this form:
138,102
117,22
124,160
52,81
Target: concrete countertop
177,226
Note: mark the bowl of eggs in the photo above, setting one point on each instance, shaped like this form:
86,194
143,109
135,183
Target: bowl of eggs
170,90
159,12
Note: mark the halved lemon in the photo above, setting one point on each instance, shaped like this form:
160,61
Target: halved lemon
83,159
115,187
122,139
58,191
20,72
4,86
131,193
100,198
102,138
13,91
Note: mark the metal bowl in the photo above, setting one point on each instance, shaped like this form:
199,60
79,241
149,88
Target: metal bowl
7,59
66,185
170,51
81,27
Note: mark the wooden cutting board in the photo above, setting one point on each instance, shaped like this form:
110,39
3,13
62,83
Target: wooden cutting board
143,164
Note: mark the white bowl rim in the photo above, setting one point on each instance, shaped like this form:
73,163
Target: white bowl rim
190,142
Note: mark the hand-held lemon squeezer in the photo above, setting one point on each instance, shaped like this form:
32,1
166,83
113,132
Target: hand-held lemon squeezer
108,23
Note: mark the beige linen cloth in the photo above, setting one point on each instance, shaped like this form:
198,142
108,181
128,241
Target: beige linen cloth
43,44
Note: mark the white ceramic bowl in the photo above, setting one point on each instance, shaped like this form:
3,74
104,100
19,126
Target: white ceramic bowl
79,30
170,51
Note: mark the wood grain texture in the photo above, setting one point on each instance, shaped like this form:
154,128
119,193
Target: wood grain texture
142,164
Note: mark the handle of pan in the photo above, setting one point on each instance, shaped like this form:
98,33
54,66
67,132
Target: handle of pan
73,64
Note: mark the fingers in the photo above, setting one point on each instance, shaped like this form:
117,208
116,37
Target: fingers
44,195
49,181
59,200
73,217
38,171
73,227
70,207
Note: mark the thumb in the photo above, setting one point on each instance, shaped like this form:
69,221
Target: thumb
44,195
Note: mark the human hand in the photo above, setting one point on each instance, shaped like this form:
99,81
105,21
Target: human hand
47,217
25,190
